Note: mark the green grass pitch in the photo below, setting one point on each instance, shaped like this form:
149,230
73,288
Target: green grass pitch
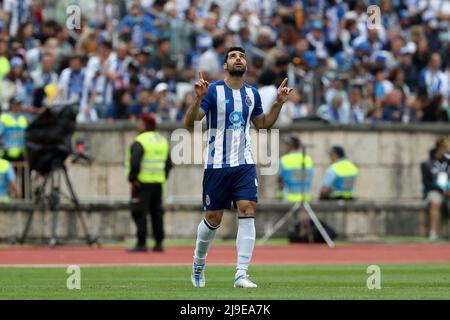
299,282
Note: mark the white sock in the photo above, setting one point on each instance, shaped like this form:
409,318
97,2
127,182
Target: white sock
245,242
205,235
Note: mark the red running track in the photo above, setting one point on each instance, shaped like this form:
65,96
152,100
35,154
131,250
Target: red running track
280,254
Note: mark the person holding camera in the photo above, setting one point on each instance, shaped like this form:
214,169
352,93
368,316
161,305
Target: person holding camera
148,166
436,188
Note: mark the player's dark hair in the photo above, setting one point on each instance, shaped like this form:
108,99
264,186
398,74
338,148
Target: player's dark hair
240,49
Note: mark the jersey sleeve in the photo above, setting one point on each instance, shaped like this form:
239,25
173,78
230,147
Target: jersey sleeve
328,179
258,109
11,176
207,101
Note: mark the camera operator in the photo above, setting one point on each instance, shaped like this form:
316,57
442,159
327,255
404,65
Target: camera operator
436,188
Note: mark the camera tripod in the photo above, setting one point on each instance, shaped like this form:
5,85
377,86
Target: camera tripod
48,195
296,208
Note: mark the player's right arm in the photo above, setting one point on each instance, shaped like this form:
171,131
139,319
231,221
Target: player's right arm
194,113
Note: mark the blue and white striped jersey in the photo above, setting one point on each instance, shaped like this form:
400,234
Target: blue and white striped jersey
228,113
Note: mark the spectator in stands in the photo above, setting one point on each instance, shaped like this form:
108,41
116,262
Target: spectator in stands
356,108
210,62
336,112
434,111
382,86
4,61
43,76
317,36
188,100
72,81
434,79
294,108
436,187
339,180
410,70
97,82
120,110
116,68
375,115
26,37
393,106
169,75
18,13
397,78
146,104
166,103
145,71
138,27
19,81
162,55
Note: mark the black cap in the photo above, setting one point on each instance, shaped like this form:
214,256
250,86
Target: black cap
293,141
337,150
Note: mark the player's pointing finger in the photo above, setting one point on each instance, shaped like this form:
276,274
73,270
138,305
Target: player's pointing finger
283,84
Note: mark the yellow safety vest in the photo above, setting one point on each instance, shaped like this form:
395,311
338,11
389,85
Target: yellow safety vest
13,134
156,151
292,164
346,173
4,166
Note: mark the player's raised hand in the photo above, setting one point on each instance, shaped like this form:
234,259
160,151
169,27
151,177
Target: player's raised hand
201,87
283,92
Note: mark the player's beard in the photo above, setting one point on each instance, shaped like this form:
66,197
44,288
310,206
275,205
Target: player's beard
236,72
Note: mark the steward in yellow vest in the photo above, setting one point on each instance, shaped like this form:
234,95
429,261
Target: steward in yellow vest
340,177
12,130
295,173
148,166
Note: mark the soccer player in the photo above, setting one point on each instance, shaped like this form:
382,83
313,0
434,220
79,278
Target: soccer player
230,105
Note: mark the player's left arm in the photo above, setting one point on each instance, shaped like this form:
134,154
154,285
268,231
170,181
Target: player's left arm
266,121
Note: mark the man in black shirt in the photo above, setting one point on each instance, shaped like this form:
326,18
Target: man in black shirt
149,166
436,186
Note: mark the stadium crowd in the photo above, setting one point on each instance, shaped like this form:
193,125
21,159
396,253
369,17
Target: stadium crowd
131,57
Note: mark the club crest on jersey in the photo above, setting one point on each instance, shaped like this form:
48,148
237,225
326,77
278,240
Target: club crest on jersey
248,101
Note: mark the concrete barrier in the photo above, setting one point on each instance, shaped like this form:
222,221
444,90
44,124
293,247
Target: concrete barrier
389,158
111,220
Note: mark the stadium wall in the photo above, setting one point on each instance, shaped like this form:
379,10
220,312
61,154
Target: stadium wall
388,188
111,220
388,156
